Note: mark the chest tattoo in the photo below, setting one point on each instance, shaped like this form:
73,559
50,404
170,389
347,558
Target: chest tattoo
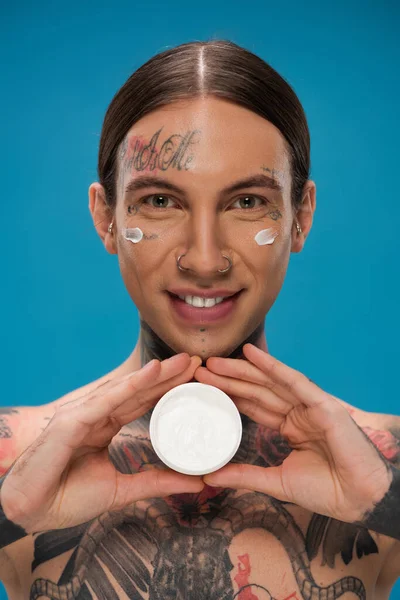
178,547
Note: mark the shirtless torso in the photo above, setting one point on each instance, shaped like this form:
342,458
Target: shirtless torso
219,544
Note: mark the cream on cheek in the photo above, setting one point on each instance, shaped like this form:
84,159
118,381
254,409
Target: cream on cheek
134,235
266,236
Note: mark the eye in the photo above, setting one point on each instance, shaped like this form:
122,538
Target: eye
157,201
249,202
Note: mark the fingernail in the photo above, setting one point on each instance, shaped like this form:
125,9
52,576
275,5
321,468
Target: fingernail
210,482
173,358
148,366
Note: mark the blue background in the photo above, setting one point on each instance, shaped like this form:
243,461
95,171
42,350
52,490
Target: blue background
67,318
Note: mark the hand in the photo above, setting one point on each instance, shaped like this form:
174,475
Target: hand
66,476
333,469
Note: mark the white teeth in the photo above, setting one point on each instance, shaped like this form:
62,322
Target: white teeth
201,302
196,301
208,302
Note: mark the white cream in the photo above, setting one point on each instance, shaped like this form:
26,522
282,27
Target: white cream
266,236
195,428
133,235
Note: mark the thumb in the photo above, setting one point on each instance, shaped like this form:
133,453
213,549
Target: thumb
267,480
155,483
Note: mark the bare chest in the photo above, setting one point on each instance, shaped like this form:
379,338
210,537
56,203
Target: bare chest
244,546
219,544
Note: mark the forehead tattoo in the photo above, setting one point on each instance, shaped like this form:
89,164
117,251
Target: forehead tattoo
174,152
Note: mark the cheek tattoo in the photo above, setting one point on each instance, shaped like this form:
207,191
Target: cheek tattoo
133,210
275,215
135,234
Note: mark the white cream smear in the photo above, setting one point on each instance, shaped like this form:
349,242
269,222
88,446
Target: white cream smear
196,430
132,235
266,236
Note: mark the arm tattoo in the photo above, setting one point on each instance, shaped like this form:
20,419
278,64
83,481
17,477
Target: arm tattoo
9,532
387,443
385,516
5,430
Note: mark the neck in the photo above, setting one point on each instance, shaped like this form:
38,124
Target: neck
151,346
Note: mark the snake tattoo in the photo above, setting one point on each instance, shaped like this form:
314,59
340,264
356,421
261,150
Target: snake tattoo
168,534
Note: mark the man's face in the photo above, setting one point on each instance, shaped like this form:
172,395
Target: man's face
203,147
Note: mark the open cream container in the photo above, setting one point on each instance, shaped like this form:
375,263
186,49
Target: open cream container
195,428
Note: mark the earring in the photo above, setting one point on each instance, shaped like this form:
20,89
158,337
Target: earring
110,227
298,228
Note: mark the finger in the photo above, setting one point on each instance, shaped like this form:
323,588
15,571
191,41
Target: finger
131,397
169,368
300,387
260,479
169,377
247,371
104,387
258,414
162,388
39,468
253,392
123,402
236,367
156,483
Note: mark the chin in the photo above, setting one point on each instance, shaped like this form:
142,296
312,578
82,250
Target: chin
208,348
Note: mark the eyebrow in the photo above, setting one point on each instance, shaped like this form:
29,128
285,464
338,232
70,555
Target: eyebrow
259,180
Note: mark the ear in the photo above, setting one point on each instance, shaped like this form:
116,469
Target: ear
102,216
304,216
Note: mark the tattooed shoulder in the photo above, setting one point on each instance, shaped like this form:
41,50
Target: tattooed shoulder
8,425
384,433
19,427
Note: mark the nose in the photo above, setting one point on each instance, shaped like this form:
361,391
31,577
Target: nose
205,246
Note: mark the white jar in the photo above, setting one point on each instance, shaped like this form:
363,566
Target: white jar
195,428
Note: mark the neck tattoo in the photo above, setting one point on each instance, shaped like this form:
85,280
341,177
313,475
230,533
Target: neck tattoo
151,346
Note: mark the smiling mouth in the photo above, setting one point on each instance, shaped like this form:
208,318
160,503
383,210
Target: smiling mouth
204,303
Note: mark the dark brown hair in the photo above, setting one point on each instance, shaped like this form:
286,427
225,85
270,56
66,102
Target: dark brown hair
216,68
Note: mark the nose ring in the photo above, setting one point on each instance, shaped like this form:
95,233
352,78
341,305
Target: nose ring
219,270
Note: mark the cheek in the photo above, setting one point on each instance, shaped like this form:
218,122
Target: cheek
264,247
144,250
270,258
266,237
138,260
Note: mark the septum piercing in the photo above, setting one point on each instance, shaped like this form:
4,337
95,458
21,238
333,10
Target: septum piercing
219,270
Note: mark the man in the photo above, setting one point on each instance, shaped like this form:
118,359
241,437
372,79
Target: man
199,209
